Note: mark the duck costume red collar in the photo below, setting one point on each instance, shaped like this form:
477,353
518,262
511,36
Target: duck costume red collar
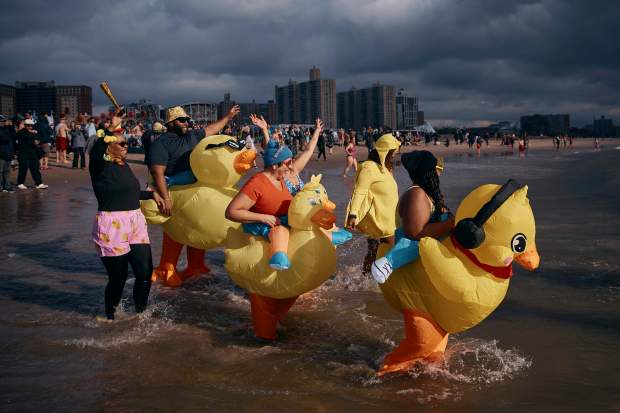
499,272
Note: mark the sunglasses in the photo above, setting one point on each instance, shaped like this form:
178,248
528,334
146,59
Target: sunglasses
231,143
183,120
122,144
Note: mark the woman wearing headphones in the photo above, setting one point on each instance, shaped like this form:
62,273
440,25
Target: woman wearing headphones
422,211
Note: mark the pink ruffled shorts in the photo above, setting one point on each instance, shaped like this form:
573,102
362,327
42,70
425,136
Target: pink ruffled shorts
114,232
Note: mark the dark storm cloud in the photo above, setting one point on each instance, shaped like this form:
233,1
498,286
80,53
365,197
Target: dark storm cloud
466,60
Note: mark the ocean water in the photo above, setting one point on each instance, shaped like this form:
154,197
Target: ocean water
553,344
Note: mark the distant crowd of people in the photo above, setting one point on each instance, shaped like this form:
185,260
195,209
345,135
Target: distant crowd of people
27,143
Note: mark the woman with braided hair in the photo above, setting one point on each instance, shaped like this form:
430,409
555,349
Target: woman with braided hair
422,211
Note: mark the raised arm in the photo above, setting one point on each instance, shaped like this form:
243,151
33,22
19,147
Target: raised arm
216,127
302,160
262,124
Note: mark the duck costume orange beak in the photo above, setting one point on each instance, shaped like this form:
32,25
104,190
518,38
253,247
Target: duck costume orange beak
244,160
529,259
325,217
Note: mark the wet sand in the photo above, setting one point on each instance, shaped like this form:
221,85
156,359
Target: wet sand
551,346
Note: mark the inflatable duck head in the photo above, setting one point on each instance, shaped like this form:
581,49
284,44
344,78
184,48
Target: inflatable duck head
496,225
384,145
311,207
220,160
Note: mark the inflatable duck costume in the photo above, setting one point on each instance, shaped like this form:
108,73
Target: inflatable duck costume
459,281
311,252
198,210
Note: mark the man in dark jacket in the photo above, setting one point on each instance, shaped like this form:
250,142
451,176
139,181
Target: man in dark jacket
27,145
7,138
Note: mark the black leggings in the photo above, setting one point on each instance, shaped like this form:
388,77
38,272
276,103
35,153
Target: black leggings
141,261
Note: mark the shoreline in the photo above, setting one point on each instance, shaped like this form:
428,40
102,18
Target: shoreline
60,174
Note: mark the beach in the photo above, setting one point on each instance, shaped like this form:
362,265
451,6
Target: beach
552,345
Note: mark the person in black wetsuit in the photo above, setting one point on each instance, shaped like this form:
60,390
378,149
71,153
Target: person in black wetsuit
119,231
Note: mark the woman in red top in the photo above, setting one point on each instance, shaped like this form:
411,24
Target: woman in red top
265,199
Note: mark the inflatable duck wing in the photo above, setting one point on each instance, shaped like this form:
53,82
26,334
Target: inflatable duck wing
459,281
311,252
198,210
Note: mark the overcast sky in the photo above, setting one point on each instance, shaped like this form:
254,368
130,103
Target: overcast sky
468,61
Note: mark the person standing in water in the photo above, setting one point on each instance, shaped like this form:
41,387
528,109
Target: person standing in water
372,208
422,212
119,230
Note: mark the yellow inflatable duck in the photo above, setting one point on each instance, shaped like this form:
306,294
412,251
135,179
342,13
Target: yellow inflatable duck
197,219
310,249
375,195
459,281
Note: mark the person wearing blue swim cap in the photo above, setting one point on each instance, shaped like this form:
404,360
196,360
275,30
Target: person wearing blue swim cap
265,199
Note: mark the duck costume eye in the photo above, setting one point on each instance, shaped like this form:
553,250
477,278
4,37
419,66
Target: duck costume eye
518,243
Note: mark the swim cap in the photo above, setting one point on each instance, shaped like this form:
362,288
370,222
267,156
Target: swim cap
276,153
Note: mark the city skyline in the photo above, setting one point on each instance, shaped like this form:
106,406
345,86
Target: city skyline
467,62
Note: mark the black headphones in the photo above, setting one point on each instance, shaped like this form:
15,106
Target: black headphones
468,231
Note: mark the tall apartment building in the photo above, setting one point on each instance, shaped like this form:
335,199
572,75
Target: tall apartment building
547,125
421,119
267,110
603,127
224,106
39,97
74,100
406,110
7,101
374,106
305,101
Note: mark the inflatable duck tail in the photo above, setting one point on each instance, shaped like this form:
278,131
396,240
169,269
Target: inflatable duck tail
424,339
267,312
